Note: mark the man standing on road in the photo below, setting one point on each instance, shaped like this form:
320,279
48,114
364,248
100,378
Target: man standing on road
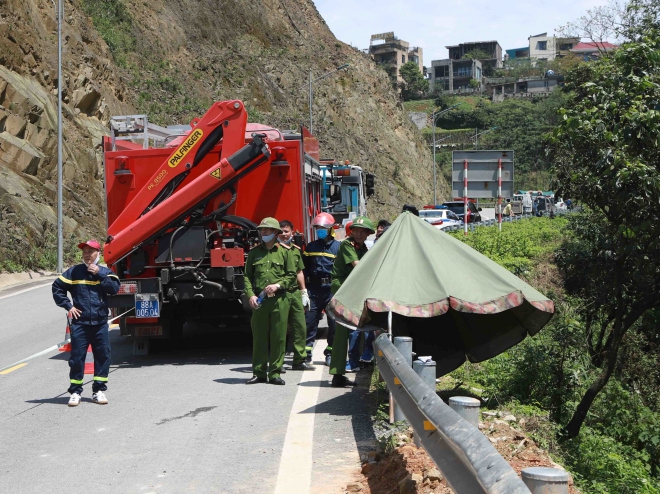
89,285
507,209
318,258
269,273
350,252
298,299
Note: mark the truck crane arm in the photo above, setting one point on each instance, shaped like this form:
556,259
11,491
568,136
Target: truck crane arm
174,210
226,121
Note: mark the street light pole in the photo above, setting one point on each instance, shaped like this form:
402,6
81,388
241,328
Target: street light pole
433,116
476,136
311,94
60,240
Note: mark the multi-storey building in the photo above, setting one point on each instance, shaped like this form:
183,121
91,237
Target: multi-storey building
393,52
544,47
454,75
491,48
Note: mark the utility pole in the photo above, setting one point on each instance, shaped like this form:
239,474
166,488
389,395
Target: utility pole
60,239
433,117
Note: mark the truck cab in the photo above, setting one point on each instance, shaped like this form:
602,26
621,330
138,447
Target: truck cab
346,189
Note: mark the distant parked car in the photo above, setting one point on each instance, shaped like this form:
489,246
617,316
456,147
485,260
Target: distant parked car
441,217
458,208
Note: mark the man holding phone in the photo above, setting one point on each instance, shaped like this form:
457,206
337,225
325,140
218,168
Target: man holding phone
89,285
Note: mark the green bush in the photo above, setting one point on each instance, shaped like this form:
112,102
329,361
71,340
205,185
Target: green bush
114,23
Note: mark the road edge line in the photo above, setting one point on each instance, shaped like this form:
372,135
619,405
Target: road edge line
296,462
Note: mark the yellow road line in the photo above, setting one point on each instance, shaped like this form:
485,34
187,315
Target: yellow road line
7,371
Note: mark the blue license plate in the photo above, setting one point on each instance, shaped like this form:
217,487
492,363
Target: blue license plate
147,308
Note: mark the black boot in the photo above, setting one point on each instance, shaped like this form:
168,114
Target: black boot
302,367
340,381
255,380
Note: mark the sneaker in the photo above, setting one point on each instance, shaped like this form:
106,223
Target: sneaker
350,369
328,358
74,401
308,358
100,398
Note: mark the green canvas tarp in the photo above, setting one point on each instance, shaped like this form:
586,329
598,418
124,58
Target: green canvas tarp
455,302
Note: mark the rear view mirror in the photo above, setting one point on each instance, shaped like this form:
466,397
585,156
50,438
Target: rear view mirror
479,209
370,183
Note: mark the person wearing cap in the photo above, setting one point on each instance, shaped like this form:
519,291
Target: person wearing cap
350,252
269,270
298,299
319,257
89,285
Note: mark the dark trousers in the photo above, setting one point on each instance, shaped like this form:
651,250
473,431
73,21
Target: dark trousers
318,299
83,335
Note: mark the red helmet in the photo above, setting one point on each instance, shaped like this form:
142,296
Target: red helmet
347,228
325,220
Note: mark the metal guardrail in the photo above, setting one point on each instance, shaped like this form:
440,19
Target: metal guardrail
469,462
450,434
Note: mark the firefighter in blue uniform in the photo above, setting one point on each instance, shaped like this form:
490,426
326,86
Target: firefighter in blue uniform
89,285
319,257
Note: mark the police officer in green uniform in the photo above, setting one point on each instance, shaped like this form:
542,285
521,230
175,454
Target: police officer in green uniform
350,252
269,272
298,300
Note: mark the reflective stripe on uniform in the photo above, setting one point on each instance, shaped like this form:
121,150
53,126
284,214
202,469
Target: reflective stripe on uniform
308,348
104,379
324,254
79,282
329,348
113,275
76,381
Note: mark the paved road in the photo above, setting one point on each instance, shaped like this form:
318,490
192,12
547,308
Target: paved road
179,420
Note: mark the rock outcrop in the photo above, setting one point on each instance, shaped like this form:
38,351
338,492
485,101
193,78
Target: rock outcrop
171,60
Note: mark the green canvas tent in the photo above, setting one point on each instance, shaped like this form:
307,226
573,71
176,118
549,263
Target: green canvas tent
455,302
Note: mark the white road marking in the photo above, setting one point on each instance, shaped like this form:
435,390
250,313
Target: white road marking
27,290
295,474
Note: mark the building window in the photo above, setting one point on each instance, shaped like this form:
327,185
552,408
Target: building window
541,45
403,59
441,71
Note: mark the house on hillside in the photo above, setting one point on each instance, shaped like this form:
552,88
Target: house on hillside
544,47
592,50
492,49
391,52
455,75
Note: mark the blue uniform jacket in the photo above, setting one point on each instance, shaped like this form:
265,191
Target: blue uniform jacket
319,256
88,291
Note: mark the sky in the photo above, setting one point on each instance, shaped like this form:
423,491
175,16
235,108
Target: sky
432,25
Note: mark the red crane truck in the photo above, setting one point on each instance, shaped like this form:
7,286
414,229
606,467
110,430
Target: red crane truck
182,211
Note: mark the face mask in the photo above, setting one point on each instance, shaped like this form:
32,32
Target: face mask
321,234
268,238
287,241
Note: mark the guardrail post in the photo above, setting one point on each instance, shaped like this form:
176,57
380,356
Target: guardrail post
543,480
466,407
404,345
426,371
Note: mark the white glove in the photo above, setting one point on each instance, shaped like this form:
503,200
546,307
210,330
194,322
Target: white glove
305,300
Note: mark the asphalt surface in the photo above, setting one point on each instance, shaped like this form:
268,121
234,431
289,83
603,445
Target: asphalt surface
179,420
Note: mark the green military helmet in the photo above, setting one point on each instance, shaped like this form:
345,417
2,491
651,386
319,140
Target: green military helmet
270,223
363,222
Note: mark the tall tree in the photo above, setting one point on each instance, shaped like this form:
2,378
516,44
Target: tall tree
414,86
606,151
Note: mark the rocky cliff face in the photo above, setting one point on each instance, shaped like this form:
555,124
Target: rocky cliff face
171,59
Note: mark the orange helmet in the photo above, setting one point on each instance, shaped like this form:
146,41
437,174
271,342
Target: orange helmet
325,220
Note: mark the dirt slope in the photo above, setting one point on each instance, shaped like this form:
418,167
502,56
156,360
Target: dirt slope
171,59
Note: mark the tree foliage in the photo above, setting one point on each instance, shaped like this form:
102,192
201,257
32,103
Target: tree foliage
477,54
414,86
606,151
